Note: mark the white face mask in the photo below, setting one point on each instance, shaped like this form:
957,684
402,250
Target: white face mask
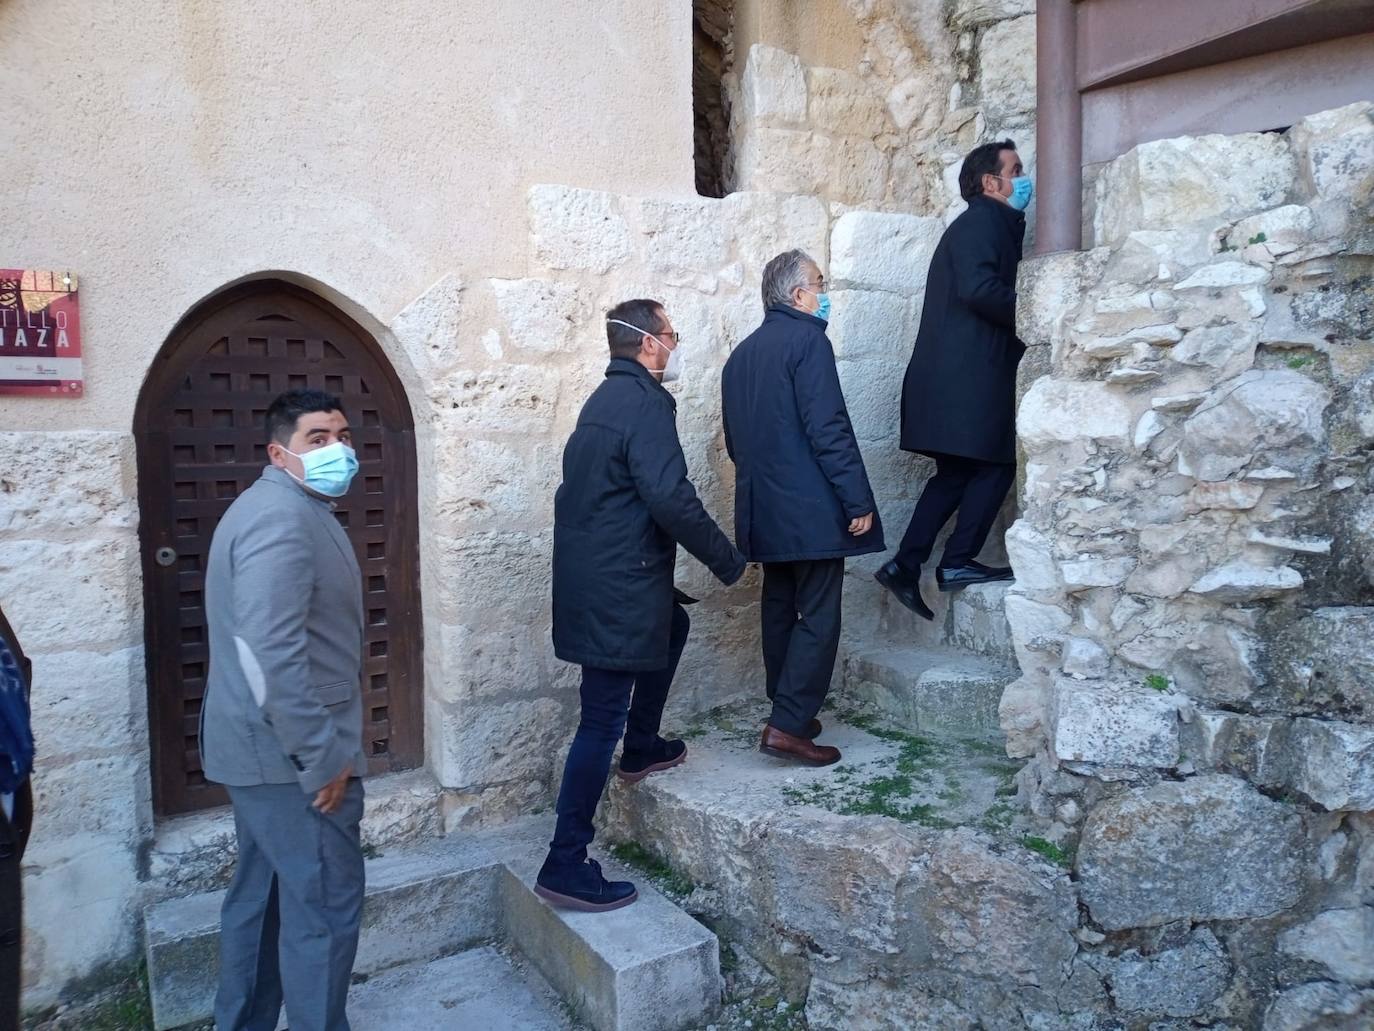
671,372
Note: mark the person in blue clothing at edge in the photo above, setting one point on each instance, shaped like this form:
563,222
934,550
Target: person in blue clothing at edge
959,394
624,506
803,503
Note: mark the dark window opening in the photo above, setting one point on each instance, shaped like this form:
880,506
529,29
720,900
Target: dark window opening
712,55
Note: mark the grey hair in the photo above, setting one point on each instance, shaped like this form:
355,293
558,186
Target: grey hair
782,275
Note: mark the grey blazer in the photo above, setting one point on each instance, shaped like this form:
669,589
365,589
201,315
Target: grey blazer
284,603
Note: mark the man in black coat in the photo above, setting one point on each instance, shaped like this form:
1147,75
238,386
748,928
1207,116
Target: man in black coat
624,506
16,816
802,499
959,395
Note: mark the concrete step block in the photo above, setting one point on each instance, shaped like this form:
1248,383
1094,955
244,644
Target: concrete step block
649,965
930,690
477,988
978,622
421,903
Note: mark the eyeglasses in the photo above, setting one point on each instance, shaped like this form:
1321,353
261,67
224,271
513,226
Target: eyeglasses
674,336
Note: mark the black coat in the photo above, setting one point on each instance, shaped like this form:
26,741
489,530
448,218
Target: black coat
622,509
799,477
959,394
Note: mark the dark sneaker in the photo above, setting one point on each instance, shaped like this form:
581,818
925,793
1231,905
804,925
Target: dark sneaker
583,888
973,573
666,754
905,587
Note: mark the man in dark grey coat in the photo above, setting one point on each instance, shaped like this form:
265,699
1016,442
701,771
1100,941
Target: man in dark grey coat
282,726
959,395
802,498
624,506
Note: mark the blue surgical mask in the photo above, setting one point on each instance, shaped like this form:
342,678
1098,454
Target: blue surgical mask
822,311
328,470
1022,190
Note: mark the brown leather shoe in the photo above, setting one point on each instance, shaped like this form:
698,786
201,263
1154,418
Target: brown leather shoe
785,746
813,730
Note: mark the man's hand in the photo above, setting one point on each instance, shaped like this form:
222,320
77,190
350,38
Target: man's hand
329,797
859,527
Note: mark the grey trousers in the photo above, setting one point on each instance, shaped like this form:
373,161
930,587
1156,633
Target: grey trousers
289,925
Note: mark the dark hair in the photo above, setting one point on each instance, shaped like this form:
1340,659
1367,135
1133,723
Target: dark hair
644,314
984,159
285,412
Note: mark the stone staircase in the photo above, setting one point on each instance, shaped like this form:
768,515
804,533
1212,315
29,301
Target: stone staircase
901,888
454,937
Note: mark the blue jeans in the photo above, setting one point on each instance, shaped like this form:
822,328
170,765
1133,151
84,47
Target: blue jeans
613,702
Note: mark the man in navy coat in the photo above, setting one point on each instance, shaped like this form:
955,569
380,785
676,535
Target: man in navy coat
624,506
959,395
802,499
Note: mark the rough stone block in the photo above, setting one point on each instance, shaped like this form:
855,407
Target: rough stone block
1332,763
1113,725
1006,71
1266,415
490,743
873,251
1059,411
581,230
849,171
1168,183
427,330
1242,582
540,315
1096,571
1340,941
970,14
978,622
1181,982
1320,1006
73,595
1229,349
1324,664
1335,152
1206,848
773,87
1050,289
1085,658
771,223
1017,926
1284,229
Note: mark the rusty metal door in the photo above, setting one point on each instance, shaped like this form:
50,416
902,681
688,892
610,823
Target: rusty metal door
199,427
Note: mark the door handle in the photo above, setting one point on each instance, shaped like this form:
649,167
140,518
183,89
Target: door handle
165,556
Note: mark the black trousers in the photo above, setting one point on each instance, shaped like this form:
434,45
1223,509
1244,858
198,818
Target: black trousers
13,838
801,635
976,490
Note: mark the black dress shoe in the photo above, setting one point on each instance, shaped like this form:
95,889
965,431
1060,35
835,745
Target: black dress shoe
905,587
583,888
967,575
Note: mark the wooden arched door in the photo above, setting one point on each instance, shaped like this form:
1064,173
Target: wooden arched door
199,428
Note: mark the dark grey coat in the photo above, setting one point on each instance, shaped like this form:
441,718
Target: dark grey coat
624,506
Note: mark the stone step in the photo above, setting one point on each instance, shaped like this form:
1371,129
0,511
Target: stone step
930,690
434,899
478,988
978,622
898,888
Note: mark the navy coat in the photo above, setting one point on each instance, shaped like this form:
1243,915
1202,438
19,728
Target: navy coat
959,394
799,477
623,507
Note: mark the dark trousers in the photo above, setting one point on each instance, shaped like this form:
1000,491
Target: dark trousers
801,634
13,838
290,920
613,702
976,489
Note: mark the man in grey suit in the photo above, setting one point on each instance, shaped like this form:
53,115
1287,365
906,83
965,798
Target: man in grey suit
282,726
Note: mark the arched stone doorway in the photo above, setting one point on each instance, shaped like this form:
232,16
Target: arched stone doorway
199,431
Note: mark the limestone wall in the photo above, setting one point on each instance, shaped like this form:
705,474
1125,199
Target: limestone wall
1194,606
888,129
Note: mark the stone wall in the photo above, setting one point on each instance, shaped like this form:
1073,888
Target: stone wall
932,81
1194,605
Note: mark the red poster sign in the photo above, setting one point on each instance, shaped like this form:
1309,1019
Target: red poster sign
40,333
